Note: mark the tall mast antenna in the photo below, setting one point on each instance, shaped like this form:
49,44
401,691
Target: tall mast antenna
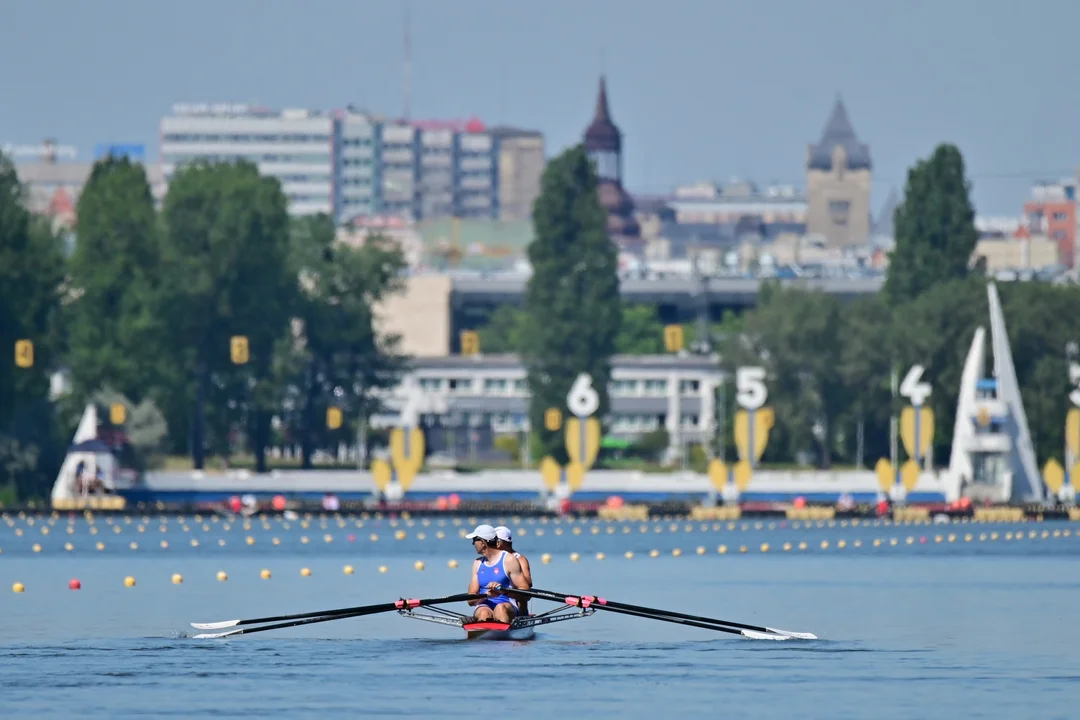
408,64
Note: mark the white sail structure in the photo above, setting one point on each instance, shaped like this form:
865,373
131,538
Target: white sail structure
94,456
992,455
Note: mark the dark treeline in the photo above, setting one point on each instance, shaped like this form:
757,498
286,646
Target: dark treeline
144,309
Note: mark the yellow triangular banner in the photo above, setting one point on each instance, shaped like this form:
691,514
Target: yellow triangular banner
381,474
550,472
718,474
1054,476
885,475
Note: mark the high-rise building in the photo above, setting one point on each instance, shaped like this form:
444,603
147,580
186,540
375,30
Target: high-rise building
295,146
350,164
356,152
521,163
838,176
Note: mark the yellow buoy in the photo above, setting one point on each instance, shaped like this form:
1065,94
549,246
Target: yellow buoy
100,546
305,572
36,548
222,576
18,587
194,542
628,555
600,556
574,557
676,552
164,544
177,578
700,550
452,564
654,553
129,581
399,535
546,558
348,570
383,569
249,540
419,565
69,547
764,547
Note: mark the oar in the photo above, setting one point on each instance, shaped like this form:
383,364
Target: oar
592,601
340,612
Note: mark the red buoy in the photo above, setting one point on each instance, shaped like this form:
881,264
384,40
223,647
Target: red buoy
74,584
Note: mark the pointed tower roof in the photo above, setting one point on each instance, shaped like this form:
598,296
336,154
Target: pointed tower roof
839,132
602,134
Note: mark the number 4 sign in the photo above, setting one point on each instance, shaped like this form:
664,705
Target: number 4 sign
914,390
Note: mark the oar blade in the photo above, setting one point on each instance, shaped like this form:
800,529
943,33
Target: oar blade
755,635
216,625
211,636
794,635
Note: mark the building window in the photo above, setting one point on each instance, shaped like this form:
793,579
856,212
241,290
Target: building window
656,387
689,387
430,384
494,386
839,211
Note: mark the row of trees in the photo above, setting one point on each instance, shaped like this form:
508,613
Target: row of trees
144,309
830,362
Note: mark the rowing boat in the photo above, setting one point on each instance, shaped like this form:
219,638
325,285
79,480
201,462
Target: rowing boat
569,607
521,628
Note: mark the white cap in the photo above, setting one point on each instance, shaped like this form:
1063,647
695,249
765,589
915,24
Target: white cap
503,533
484,532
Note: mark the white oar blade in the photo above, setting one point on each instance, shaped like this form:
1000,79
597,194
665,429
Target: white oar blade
210,636
796,635
216,626
755,635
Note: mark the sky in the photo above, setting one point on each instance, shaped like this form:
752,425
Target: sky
702,89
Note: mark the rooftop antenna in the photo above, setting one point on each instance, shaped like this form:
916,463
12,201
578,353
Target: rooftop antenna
408,65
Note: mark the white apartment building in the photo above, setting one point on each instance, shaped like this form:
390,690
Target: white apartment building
294,146
648,392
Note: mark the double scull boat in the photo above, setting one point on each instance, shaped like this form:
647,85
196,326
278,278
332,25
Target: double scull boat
569,607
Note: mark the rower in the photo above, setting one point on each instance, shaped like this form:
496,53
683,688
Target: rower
493,568
506,542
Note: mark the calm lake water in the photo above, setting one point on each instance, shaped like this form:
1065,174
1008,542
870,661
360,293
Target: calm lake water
951,621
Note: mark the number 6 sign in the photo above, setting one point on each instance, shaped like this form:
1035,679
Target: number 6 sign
583,400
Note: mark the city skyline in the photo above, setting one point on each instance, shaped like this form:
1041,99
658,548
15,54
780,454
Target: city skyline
908,79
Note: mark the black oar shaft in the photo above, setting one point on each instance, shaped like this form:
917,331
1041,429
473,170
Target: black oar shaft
586,601
295,623
363,609
610,604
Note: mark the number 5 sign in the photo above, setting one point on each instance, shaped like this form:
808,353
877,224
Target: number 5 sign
750,390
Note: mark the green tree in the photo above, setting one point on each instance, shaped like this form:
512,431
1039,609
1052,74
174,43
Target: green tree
641,331
504,331
572,303
114,271
793,335
225,273
32,270
339,358
935,227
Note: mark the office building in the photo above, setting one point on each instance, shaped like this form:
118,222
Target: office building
356,148
1051,212
295,146
355,165
489,395
521,164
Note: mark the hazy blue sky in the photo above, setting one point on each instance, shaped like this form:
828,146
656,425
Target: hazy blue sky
702,89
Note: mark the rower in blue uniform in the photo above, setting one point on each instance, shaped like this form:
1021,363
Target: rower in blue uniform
493,568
